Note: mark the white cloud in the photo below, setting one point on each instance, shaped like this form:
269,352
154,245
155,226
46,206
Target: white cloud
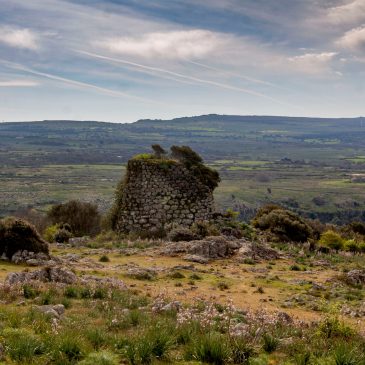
18,83
313,63
180,44
19,37
349,13
353,39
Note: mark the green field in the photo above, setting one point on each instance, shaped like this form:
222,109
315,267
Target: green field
302,163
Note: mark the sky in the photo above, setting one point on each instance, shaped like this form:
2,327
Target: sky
124,60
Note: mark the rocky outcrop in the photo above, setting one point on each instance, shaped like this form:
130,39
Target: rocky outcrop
48,274
216,247
157,193
33,259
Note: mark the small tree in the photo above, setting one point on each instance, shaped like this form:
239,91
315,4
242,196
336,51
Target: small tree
158,151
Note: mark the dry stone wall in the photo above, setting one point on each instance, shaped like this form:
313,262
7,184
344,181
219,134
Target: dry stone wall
157,193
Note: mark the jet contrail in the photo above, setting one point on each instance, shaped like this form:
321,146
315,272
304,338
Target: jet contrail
84,85
182,76
247,78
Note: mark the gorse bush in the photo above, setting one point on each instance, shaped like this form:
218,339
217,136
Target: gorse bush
18,235
282,225
332,240
82,217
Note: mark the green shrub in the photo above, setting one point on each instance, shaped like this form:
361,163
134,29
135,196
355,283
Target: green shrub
332,240
18,235
50,233
104,258
100,358
282,225
352,246
82,217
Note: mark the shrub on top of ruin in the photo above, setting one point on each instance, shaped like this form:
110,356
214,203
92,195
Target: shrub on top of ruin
18,235
332,240
158,151
194,163
144,156
83,218
282,225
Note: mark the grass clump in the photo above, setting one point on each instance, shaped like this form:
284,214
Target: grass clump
22,345
104,258
270,343
211,348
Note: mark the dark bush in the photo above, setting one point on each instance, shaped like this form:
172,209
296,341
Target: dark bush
18,235
282,225
158,151
82,217
181,234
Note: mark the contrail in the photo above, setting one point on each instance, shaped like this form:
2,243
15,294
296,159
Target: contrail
182,76
256,81
84,85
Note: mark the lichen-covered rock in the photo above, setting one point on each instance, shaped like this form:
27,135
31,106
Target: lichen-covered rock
157,193
356,277
48,274
215,247
33,259
54,311
258,252
140,273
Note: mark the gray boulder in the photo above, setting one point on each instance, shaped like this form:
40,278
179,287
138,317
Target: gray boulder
48,274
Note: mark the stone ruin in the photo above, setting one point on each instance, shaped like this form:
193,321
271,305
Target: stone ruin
157,193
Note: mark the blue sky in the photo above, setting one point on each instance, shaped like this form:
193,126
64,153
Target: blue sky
120,61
